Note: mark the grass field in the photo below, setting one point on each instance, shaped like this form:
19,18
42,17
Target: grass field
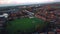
25,25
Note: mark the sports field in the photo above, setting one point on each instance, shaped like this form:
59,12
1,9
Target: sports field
25,25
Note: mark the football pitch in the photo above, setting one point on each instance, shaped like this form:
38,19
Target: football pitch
25,25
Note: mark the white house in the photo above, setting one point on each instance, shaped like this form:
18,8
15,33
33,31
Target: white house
5,15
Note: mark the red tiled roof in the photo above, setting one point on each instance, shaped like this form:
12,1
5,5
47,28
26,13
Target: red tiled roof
51,33
58,30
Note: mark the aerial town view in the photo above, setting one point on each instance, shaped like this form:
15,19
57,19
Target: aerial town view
30,19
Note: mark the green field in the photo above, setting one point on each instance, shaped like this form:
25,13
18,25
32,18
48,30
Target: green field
25,25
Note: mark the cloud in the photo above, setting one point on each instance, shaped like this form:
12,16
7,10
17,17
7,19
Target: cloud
19,2
23,1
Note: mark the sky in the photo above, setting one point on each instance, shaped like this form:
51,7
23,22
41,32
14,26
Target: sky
16,2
